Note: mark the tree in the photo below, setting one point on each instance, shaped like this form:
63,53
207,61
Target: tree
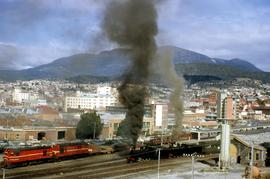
89,126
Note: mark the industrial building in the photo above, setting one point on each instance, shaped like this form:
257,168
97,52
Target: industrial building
30,133
112,122
241,151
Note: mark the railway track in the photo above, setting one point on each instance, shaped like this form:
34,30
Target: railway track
137,168
131,169
94,167
37,171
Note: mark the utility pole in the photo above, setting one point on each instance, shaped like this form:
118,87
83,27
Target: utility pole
219,162
251,160
193,161
158,161
4,173
159,150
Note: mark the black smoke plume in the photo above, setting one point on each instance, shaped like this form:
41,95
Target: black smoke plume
175,82
133,24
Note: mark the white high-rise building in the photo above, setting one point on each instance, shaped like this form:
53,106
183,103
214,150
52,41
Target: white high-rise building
18,96
160,113
105,90
105,96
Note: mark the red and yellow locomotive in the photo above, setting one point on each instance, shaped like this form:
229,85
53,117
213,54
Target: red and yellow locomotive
16,156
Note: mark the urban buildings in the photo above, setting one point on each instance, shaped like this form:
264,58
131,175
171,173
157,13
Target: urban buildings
227,106
112,121
105,96
18,96
37,133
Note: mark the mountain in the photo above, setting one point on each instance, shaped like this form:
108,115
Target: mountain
224,72
113,63
183,56
238,63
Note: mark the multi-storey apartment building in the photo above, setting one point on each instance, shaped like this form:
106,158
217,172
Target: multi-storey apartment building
18,96
105,96
227,107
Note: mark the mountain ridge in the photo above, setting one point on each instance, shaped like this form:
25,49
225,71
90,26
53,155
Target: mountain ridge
113,63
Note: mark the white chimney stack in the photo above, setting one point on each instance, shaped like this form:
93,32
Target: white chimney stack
225,147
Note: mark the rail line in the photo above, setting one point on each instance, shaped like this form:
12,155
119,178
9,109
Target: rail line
64,166
96,167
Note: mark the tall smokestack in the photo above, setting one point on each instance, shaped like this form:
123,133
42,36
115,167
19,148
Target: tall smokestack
133,24
225,146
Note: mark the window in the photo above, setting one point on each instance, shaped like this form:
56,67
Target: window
61,135
41,135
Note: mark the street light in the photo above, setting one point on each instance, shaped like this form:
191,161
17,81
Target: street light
251,159
158,160
4,173
193,161
159,150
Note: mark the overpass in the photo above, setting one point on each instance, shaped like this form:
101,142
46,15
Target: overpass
208,134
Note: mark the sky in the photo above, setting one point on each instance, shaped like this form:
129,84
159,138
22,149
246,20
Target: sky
35,32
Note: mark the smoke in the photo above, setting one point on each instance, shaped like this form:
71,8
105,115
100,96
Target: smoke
133,24
175,82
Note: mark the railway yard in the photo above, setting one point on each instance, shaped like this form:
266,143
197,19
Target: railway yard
79,159
114,166
102,166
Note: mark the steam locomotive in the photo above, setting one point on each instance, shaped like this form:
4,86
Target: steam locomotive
151,152
22,156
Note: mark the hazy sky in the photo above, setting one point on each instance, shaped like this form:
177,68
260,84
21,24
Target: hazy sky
34,32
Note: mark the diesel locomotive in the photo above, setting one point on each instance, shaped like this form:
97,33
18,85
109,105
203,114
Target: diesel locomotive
21,156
